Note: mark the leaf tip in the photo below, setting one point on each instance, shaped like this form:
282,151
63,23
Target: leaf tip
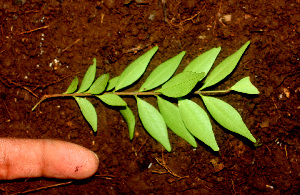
168,147
216,148
155,47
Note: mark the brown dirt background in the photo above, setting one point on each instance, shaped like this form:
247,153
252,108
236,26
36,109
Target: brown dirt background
44,44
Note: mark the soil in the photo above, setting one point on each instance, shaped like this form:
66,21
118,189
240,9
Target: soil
44,44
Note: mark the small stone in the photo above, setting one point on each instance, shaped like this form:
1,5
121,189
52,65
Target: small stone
109,3
20,2
227,18
152,16
265,123
134,30
189,3
286,91
298,29
7,62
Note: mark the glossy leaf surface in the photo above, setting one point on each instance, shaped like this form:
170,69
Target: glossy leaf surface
99,85
153,122
162,73
135,70
227,116
181,84
88,111
204,62
88,78
130,120
73,86
224,68
112,99
172,117
245,86
197,122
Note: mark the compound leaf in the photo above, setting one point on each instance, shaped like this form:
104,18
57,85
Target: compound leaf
88,111
162,73
112,83
181,84
172,117
153,122
99,85
130,120
227,116
88,78
73,86
197,122
245,86
224,68
135,70
204,62
112,99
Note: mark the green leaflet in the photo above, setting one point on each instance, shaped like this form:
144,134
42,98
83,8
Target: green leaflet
99,85
135,70
245,86
172,117
224,68
153,122
88,78
88,111
112,83
130,120
204,62
188,120
112,99
181,84
227,116
73,86
197,122
162,73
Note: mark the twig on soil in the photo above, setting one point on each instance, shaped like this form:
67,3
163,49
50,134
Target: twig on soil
291,74
59,80
136,49
233,186
163,164
44,188
180,24
107,176
10,116
71,45
102,18
274,103
215,22
136,152
36,87
286,153
19,85
163,2
30,31
269,150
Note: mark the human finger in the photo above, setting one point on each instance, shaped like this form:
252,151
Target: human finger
26,158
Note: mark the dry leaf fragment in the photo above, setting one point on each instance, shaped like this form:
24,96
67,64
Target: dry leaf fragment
286,91
217,166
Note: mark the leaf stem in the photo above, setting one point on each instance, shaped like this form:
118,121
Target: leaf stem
129,93
216,92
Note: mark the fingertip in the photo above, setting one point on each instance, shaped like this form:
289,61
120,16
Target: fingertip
26,158
69,161
87,167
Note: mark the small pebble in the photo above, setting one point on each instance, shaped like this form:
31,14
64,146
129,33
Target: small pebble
7,62
109,3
